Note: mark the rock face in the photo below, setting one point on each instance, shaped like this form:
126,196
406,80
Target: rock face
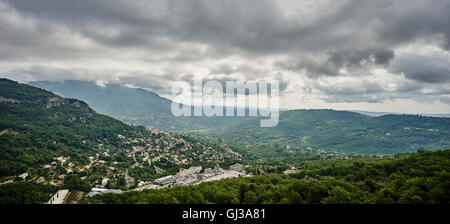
6,100
58,101
53,102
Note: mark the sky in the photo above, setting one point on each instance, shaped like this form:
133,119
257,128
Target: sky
380,55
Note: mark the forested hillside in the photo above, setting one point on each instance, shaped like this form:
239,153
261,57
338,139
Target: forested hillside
339,131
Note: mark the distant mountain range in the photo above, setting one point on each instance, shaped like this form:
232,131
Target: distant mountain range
376,114
132,105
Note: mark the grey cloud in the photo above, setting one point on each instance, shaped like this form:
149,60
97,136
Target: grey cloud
258,26
367,92
378,56
405,20
147,81
38,73
353,34
330,63
255,26
444,99
313,66
434,68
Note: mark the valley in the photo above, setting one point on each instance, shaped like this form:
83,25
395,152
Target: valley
50,143
299,132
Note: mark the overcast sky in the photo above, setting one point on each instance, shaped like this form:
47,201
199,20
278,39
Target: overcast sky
380,55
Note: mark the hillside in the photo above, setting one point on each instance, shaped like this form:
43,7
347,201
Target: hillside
46,138
132,105
340,131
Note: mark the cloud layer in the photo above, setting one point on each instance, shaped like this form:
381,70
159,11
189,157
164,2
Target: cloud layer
325,53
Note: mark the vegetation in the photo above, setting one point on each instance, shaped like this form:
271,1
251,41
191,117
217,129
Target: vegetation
25,192
416,178
75,183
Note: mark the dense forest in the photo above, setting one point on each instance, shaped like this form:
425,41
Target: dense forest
25,192
423,177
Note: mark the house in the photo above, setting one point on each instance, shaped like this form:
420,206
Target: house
237,167
291,171
165,180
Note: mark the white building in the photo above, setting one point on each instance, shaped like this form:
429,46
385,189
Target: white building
237,167
190,171
165,180
95,191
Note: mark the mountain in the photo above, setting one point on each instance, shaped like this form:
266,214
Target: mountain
45,137
132,105
372,113
376,114
340,131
